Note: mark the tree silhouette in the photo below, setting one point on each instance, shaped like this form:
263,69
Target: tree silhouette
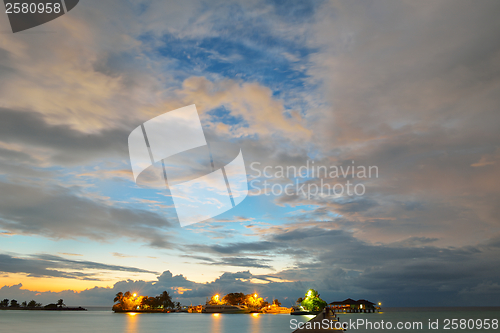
119,297
4,303
60,303
126,301
166,300
234,299
148,302
33,304
14,304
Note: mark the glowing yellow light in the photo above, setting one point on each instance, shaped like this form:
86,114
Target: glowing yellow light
131,313
309,293
216,314
135,295
255,295
379,303
216,297
255,314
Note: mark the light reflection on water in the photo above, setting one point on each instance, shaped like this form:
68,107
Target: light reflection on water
132,318
107,321
216,323
256,323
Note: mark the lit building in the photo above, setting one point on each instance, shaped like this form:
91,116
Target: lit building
349,305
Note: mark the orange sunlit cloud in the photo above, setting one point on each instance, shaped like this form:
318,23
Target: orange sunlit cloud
53,284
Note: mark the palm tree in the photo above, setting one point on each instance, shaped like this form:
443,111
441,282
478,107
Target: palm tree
60,303
119,297
32,304
166,300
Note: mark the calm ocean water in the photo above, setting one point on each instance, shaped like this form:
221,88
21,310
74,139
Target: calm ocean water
107,321
467,319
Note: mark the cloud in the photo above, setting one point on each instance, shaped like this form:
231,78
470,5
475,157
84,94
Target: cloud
64,144
45,265
408,88
261,113
233,248
71,254
422,111
59,212
489,159
234,261
178,286
80,79
121,255
338,265
415,241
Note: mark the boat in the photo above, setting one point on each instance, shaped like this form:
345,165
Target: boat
274,309
299,311
303,313
224,308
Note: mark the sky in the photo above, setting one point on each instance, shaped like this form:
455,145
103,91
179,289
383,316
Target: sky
410,89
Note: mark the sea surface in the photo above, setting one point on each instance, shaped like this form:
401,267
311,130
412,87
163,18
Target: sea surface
104,320
457,319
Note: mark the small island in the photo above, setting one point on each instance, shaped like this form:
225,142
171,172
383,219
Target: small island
131,302
7,304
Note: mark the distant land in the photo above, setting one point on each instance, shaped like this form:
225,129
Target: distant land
33,305
79,308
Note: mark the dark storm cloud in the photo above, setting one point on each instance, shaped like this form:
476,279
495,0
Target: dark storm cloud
244,262
234,261
415,91
341,266
69,146
233,248
336,261
15,155
410,266
59,212
415,241
45,265
83,264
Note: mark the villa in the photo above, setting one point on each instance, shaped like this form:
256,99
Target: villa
349,306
